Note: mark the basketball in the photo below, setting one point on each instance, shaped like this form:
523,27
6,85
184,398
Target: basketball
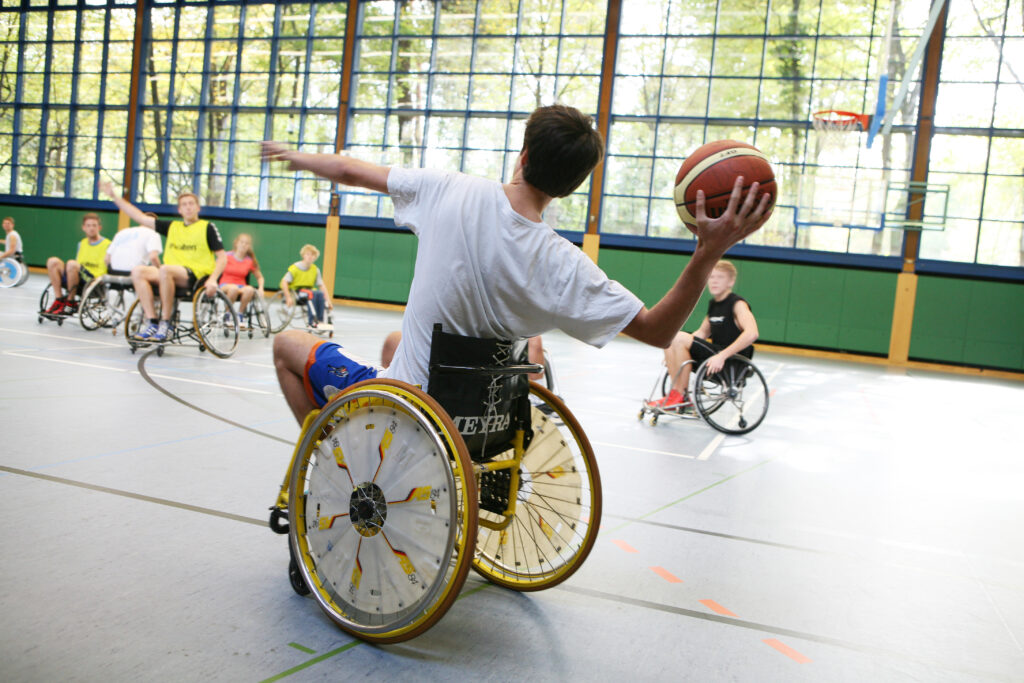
713,167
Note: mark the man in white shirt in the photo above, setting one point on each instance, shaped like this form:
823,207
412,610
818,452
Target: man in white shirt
131,247
488,266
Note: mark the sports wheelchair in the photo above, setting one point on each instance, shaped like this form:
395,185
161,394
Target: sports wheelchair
85,278
104,301
393,494
733,400
213,325
256,317
13,272
281,314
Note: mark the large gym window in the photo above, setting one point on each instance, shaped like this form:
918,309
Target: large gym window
220,77
64,90
691,72
449,85
978,149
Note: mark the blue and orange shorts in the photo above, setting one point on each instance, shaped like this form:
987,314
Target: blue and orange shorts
329,371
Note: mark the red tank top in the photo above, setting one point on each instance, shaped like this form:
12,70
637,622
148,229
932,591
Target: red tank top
237,272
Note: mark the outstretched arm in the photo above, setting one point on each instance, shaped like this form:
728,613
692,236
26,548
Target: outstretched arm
133,211
658,326
341,169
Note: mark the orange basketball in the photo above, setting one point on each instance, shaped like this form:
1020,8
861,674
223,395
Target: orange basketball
713,168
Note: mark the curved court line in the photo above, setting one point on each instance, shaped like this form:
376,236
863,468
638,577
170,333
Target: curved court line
146,376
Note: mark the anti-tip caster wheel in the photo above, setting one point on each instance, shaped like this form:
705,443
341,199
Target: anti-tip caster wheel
160,351
295,578
654,420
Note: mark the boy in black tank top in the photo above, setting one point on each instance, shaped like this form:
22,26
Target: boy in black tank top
728,328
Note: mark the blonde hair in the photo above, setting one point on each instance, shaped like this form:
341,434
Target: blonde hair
193,195
309,249
726,266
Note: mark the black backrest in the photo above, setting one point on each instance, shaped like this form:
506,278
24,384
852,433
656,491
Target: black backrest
487,407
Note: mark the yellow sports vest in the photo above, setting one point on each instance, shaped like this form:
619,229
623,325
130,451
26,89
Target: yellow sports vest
91,256
186,246
303,279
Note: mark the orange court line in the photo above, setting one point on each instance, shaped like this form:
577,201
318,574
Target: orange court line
625,546
715,607
788,651
666,574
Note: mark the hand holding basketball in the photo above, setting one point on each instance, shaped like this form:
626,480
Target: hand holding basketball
737,222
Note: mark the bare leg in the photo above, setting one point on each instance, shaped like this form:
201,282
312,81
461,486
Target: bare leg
387,352
231,292
291,350
143,279
171,277
535,351
71,275
247,294
676,357
55,270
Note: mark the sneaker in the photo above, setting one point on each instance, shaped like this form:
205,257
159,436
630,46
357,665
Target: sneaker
674,401
70,307
147,333
162,330
56,307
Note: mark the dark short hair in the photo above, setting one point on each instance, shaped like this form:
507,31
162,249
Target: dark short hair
562,148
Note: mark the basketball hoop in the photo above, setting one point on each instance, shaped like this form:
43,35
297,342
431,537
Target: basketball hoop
833,125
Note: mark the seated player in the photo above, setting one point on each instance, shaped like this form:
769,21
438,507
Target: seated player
89,261
488,266
535,352
138,246
728,328
304,276
194,250
12,242
238,263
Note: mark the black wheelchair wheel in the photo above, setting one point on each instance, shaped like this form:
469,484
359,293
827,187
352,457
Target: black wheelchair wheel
733,400
45,299
279,313
94,312
215,322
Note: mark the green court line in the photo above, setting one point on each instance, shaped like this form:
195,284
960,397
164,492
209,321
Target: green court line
689,496
344,648
302,648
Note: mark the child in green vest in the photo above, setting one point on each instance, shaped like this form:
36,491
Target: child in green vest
304,277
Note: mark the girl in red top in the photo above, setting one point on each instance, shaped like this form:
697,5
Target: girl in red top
240,262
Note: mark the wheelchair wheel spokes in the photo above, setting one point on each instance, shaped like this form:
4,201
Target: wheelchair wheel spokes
215,322
382,511
259,315
12,273
278,312
735,400
558,507
93,312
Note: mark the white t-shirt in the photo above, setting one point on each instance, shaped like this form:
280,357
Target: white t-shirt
14,239
131,246
483,270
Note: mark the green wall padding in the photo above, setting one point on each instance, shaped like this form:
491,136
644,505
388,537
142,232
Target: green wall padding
831,308
975,322
50,232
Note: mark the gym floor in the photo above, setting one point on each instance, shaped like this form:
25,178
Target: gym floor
872,528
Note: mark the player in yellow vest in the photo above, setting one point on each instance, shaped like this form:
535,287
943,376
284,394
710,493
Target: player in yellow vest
305,276
66,277
194,249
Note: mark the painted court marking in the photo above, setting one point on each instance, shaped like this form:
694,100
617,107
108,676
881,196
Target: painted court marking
716,608
642,450
625,546
787,650
666,574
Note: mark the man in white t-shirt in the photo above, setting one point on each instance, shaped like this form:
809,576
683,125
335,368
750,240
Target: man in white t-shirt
488,266
131,247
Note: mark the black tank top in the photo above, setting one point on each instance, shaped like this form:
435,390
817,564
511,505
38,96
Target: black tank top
723,322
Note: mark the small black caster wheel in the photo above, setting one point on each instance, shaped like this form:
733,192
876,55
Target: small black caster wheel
160,351
295,578
60,322
743,423
40,320
201,348
278,520
641,415
654,420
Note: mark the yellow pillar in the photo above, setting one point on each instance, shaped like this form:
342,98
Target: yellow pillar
331,252
591,241
122,220
903,317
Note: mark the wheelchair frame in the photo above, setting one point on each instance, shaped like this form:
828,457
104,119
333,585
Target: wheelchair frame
718,399
97,308
256,316
549,491
216,330
277,307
